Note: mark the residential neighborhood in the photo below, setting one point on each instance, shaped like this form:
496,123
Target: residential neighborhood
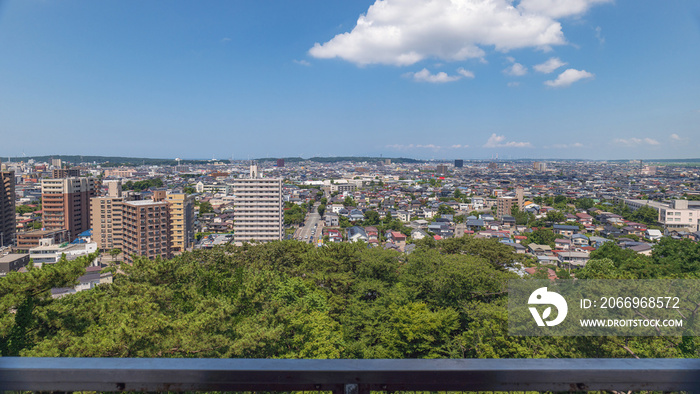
553,213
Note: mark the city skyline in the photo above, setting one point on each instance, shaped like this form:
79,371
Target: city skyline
534,79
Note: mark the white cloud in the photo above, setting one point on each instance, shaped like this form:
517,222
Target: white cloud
675,137
599,35
465,73
558,8
425,76
550,65
414,146
636,141
568,77
516,70
499,141
513,84
225,40
425,146
404,32
567,146
302,62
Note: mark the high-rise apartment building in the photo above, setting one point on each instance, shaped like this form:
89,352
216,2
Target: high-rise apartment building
442,169
258,213
66,204
141,228
280,163
8,225
145,229
181,221
505,204
65,172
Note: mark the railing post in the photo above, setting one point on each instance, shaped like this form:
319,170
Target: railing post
354,388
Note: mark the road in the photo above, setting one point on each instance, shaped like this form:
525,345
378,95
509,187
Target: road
313,222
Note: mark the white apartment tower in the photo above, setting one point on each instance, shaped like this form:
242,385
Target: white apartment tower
258,213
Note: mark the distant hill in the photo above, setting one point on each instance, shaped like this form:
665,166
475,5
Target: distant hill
108,160
335,159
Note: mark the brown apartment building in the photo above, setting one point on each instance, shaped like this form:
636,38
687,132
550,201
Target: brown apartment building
142,228
8,225
505,204
66,204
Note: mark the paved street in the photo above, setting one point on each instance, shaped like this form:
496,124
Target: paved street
313,222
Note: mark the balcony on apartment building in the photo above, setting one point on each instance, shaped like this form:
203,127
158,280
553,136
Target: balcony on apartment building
348,376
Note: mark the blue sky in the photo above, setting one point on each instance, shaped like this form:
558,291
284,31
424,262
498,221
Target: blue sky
591,79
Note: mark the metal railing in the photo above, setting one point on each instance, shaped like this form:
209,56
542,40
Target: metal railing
347,376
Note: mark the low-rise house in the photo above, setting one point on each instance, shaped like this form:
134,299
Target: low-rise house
565,230
331,220
563,244
357,233
539,250
573,259
417,233
579,240
653,234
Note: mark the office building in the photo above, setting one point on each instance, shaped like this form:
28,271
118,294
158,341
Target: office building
459,163
66,204
258,214
8,224
181,221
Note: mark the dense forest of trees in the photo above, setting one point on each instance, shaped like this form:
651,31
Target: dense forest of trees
289,299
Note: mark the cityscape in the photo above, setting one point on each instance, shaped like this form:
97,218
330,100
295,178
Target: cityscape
555,212
350,197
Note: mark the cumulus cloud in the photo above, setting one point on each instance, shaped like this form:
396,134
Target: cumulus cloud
465,73
459,146
568,77
404,32
516,70
302,62
636,141
675,137
425,76
558,8
549,66
499,141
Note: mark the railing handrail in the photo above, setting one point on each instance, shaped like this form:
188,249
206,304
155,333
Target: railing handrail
160,374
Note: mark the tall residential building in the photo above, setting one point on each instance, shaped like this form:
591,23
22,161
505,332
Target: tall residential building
258,213
145,229
539,166
107,219
8,225
280,163
181,221
65,172
141,228
505,204
66,204
442,169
